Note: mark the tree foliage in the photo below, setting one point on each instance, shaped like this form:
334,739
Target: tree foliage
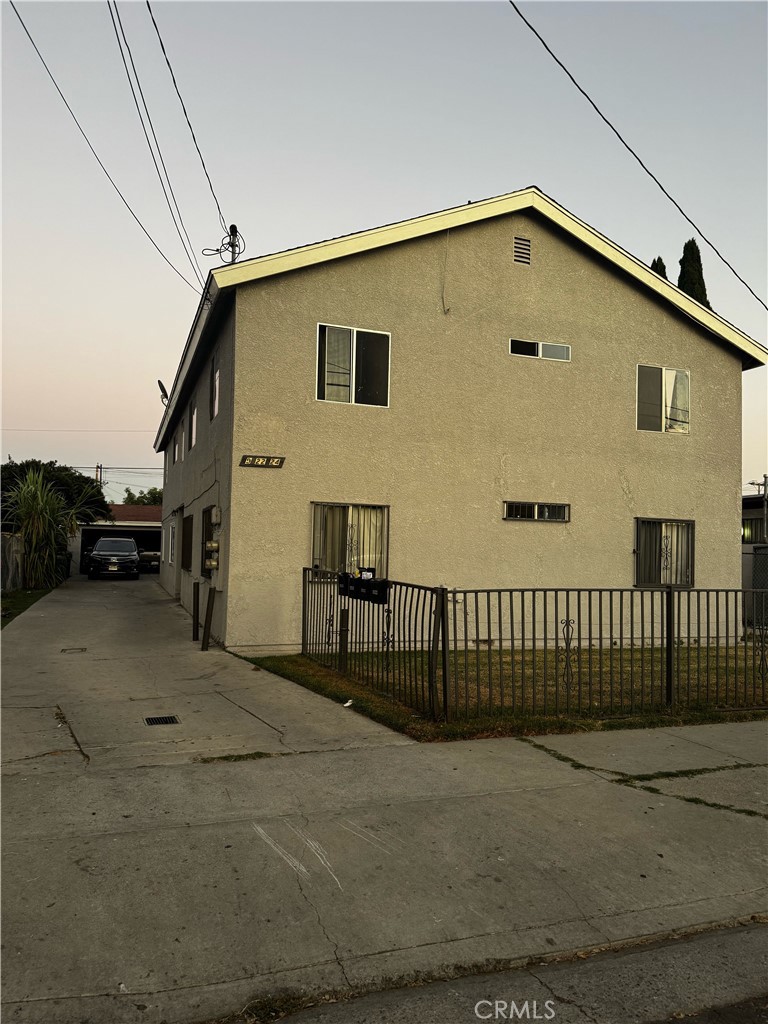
691,279
659,267
78,491
152,496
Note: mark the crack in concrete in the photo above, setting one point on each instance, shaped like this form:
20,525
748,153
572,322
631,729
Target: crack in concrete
64,721
280,733
35,757
698,743
635,781
562,999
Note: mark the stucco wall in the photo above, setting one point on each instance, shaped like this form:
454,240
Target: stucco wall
470,426
201,479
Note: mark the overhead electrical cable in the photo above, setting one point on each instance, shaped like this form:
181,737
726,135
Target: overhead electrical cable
96,155
189,251
181,101
626,145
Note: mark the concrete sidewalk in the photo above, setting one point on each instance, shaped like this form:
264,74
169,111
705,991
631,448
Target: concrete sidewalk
143,885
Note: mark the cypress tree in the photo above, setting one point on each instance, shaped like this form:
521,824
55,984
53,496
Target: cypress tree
691,278
659,268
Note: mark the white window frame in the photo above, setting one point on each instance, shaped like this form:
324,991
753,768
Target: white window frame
175,449
182,435
540,345
536,518
662,429
192,425
353,363
171,543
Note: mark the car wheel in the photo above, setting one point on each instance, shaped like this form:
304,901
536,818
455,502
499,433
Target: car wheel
91,575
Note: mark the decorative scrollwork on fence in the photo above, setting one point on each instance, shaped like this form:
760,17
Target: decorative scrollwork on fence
567,655
761,644
329,629
388,638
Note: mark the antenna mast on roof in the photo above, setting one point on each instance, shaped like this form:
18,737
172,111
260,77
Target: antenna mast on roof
232,243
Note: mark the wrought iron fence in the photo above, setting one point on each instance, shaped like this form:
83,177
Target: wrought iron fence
470,653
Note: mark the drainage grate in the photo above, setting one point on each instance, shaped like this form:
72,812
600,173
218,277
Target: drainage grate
73,650
163,720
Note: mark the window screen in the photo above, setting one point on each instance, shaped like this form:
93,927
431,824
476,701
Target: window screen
663,399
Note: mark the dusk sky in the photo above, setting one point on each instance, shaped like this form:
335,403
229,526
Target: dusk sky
319,119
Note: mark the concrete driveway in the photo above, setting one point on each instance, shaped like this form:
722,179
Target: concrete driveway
141,884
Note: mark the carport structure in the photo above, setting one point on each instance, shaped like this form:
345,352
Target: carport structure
141,522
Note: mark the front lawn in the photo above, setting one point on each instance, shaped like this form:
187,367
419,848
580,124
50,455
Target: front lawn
387,711
17,601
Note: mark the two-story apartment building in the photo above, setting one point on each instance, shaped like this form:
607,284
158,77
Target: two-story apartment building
491,395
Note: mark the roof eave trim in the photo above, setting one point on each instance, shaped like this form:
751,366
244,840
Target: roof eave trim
207,302
231,275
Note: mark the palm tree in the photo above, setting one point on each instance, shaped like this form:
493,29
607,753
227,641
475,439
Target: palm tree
44,522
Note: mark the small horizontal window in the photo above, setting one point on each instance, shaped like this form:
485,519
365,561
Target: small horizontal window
539,350
541,511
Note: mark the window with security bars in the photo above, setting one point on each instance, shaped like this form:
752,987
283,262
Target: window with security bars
664,550
663,399
752,531
352,365
541,511
347,538
187,526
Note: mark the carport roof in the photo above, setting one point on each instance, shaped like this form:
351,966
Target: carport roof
146,515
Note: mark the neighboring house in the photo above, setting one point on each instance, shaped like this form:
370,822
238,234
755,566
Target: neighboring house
754,542
141,522
493,395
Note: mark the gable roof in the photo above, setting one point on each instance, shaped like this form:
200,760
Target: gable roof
222,279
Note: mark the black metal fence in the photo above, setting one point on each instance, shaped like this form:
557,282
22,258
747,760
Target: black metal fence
473,653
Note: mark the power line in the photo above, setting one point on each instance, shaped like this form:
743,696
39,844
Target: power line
181,101
187,246
96,155
626,145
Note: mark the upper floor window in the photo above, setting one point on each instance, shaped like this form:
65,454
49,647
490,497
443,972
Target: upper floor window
539,350
182,435
175,448
192,426
663,553
213,386
352,365
663,399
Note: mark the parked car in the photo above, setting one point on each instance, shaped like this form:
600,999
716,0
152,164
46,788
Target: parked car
114,556
149,561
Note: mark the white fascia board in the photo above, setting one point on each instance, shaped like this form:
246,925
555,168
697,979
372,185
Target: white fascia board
207,302
529,198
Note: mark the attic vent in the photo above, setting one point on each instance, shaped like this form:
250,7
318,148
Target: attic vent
522,250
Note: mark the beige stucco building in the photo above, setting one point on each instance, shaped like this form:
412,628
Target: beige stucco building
494,395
